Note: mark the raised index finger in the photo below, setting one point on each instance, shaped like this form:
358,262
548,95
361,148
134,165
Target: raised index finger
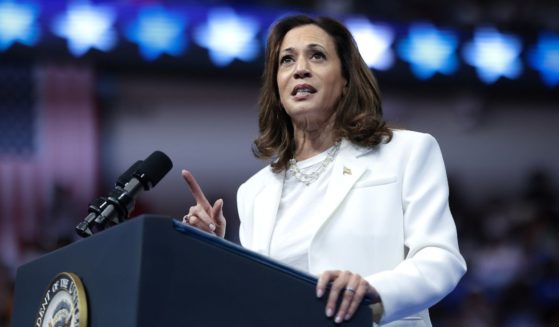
195,189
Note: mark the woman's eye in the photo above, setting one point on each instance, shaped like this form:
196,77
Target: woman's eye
286,59
318,55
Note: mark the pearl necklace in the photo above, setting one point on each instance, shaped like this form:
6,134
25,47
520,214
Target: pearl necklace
308,178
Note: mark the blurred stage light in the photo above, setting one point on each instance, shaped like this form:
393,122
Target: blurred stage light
429,51
494,55
18,23
158,31
228,36
374,42
544,57
85,27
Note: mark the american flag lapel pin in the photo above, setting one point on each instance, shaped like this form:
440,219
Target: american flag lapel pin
347,171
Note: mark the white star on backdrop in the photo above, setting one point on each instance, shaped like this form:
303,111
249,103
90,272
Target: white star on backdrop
158,31
544,57
86,27
373,41
494,55
18,24
228,37
429,51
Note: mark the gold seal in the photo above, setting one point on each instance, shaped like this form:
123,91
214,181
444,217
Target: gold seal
64,303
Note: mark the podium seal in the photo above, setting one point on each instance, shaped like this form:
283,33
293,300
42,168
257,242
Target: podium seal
64,303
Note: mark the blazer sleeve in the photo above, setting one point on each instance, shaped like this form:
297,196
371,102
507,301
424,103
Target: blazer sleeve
242,211
433,264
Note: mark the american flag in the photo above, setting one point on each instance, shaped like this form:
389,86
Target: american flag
48,154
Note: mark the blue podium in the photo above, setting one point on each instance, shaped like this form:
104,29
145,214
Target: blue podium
154,271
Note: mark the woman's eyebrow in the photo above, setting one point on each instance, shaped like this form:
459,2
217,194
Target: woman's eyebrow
315,46
309,46
288,50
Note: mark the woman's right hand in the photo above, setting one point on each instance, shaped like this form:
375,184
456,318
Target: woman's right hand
203,215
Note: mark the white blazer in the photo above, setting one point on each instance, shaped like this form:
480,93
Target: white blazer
385,216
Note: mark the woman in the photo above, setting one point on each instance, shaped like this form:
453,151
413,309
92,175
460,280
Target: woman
345,198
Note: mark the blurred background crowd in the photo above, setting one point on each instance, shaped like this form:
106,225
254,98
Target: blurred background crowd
80,103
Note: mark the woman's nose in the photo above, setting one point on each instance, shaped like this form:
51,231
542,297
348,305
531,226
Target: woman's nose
302,73
302,70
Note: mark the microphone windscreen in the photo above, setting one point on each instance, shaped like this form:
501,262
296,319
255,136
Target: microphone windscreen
155,167
128,174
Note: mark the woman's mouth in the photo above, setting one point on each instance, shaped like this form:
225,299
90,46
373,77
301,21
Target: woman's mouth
303,89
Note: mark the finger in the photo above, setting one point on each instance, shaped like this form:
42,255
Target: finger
195,189
217,209
217,216
335,291
199,224
323,280
185,219
348,295
199,218
360,293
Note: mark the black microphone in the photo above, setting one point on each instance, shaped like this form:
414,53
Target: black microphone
128,174
115,208
98,205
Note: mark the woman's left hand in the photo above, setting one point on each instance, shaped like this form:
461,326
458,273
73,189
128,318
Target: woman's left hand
351,287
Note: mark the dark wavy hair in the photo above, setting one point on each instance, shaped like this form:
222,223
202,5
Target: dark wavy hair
358,116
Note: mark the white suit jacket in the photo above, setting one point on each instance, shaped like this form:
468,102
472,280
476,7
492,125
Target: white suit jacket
385,216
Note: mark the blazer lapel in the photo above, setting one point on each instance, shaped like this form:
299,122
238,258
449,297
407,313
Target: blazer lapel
346,171
266,205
